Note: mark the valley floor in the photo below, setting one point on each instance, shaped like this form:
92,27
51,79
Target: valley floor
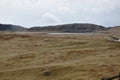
41,56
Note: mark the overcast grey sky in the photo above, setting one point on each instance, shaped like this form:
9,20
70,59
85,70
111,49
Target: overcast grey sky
30,13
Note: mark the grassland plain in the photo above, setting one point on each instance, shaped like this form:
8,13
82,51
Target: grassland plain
41,56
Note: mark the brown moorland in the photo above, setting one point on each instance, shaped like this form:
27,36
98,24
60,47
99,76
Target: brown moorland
42,56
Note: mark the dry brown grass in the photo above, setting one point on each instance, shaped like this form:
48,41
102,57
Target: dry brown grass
39,56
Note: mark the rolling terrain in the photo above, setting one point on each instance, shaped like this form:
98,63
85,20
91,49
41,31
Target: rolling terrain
10,27
114,31
71,28
41,56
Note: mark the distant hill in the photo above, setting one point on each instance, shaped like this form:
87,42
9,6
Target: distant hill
114,30
10,27
70,28
76,27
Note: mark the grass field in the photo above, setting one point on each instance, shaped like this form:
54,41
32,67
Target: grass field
41,56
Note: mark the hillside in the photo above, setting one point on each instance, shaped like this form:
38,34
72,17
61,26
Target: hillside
70,28
114,31
73,28
10,27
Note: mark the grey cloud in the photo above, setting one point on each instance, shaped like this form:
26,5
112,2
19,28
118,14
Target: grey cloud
47,12
49,19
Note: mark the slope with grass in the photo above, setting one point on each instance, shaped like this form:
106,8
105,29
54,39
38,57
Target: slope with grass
114,31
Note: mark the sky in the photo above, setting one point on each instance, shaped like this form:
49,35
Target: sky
29,13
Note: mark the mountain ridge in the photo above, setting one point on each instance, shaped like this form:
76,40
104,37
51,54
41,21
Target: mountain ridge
10,27
73,27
